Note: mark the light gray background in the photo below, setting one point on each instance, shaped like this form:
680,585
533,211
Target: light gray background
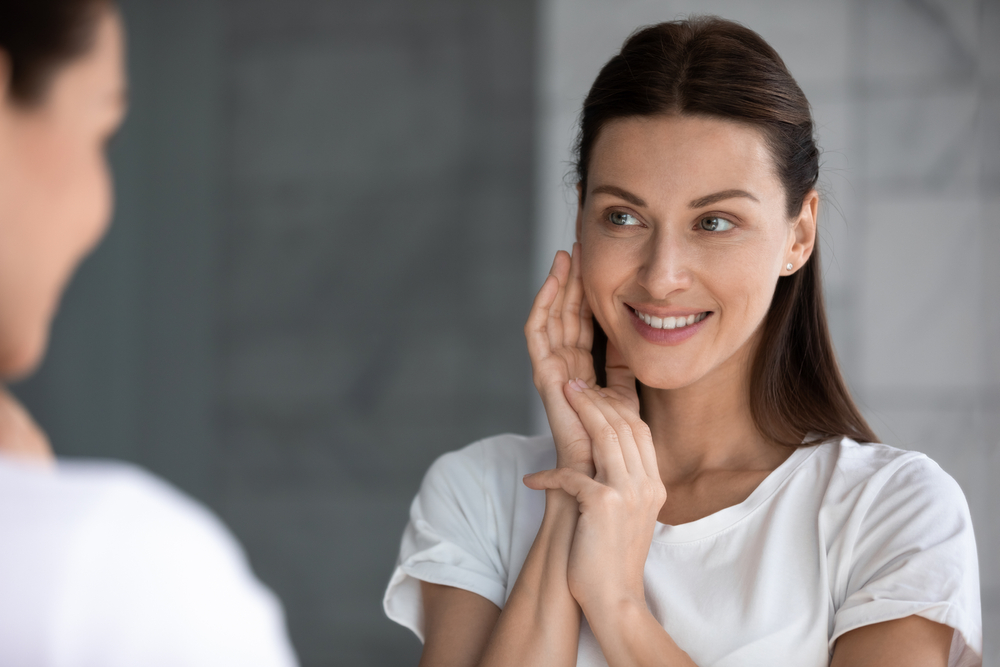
333,215
906,98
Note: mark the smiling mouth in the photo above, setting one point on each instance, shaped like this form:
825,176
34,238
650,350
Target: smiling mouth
670,322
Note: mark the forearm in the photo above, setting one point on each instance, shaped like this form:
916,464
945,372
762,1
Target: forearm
630,636
540,623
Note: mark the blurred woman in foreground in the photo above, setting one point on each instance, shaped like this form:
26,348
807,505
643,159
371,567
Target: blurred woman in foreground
101,564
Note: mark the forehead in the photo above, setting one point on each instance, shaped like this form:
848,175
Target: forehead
100,71
106,59
689,155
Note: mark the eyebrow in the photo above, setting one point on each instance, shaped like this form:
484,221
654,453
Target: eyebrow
618,192
716,197
701,202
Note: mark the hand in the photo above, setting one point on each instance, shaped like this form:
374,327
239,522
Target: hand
560,334
618,507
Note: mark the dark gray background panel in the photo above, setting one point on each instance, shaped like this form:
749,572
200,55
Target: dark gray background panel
315,282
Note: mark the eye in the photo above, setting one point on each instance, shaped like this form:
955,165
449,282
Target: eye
621,219
715,224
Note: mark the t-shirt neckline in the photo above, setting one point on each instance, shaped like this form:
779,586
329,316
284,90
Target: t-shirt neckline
729,516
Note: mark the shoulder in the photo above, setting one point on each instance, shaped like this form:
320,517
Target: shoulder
878,472
493,462
125,502
109,550
74,495
902,542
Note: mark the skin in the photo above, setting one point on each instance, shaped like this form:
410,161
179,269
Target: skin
694,450
55,204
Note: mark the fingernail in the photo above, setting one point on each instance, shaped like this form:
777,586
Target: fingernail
601,394
578,384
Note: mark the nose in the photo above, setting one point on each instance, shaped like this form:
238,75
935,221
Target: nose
666,265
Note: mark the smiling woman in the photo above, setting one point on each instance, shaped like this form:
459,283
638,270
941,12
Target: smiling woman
710,494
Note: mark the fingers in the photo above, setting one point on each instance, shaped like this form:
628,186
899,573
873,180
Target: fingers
571,307
555,325
536,329
573,482
632,434
586,340
620,377
640,432
615,451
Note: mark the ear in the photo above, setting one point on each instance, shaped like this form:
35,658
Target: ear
579,210
803,235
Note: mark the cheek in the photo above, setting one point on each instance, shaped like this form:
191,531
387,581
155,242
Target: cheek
746,286
62,211
86,204
80,212
602,271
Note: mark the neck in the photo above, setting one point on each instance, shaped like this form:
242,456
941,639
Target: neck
707,427
20,436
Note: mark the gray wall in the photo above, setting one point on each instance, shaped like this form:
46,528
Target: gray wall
315,282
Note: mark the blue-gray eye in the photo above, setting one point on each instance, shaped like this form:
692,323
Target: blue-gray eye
620,219
714,224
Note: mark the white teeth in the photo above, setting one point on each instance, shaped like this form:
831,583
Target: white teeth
670,322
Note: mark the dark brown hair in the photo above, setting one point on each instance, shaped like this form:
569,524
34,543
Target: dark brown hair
708,66
40,36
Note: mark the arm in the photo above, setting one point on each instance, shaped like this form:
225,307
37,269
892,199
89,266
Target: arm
906,642
540,622
446,610
618,510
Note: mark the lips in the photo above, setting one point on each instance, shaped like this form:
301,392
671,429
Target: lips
668,328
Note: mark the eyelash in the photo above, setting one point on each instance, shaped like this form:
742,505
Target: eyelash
609,216
715,217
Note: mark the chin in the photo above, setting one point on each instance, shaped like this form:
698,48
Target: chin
668,379
21,359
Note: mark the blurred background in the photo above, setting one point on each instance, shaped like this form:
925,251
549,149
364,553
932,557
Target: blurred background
333,215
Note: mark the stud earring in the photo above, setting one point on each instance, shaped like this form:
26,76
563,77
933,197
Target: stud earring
788,267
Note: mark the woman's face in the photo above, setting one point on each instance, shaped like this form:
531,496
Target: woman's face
684,233
55,189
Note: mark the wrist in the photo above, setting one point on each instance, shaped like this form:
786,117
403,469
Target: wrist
629,634
617,610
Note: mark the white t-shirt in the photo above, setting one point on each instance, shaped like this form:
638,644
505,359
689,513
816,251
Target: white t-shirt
104,565
839,536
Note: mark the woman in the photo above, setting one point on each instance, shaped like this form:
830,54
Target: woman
101,564
707,502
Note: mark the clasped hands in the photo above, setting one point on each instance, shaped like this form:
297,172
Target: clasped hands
604,451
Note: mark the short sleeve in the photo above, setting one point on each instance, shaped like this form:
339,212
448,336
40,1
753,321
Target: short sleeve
915,554
451,539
